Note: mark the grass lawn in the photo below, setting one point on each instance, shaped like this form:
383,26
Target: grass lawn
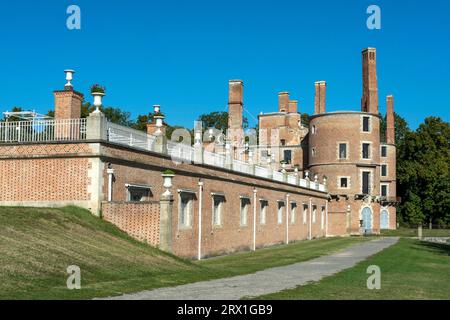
38,244
409,270
408,232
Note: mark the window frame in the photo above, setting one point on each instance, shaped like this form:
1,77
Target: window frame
188,217
146,189
385,166
339,182
244,211
369,124
339,144
280,206
369,150
305,210
263,205
314,213
293,212
217,216
387,189
381,151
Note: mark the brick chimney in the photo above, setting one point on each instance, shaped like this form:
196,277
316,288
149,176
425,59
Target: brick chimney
320,97
283,102
235,103
68,101
390,120
369,101
293,106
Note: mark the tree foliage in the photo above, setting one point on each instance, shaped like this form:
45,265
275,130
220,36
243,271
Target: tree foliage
423,159
219,120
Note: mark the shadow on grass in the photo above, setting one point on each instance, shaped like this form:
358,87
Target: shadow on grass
439,248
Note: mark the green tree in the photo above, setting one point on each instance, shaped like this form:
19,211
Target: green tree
305,119
219,120
423,173
401,128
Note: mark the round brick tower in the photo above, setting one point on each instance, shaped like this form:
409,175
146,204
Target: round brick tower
345,147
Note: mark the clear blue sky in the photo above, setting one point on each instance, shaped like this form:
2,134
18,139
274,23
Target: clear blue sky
180,54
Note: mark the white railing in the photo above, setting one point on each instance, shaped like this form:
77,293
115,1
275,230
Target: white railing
292,179
242,166
214,159
303,183
262,172
278,176
180,152
43,130
130,137
76,129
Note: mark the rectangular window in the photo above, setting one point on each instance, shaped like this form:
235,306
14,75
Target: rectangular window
245,202
287,156
217,209
138,193
283,142
305,213
365,182
366,150
280,212
344,182
384,170
185,209
322,218
342,151
384,190
314,214
263,212
293,212
384,151
264,154
366,124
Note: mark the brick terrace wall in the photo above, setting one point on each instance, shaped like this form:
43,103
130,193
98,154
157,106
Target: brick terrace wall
45,174
139,219
139,167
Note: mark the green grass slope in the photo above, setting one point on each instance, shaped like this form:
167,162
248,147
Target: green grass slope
38,244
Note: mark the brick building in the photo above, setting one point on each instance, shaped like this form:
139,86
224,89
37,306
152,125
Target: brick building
345,148
337,177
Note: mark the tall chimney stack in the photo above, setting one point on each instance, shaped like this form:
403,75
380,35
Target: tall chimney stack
390,120
369,101
68,101
293,106
283,102
235,103
320,97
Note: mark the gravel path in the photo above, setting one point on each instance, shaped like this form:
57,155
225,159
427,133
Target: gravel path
269,280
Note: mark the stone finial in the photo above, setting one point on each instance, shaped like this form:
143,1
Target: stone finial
69,77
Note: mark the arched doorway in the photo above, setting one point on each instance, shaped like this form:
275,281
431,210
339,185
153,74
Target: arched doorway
384,219
366,216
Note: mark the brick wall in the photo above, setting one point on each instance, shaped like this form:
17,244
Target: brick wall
144,168
139,219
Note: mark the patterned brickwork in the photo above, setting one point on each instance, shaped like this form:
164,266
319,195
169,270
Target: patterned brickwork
51,179
43,149
140,220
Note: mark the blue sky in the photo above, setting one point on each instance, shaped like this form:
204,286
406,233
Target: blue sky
181,54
